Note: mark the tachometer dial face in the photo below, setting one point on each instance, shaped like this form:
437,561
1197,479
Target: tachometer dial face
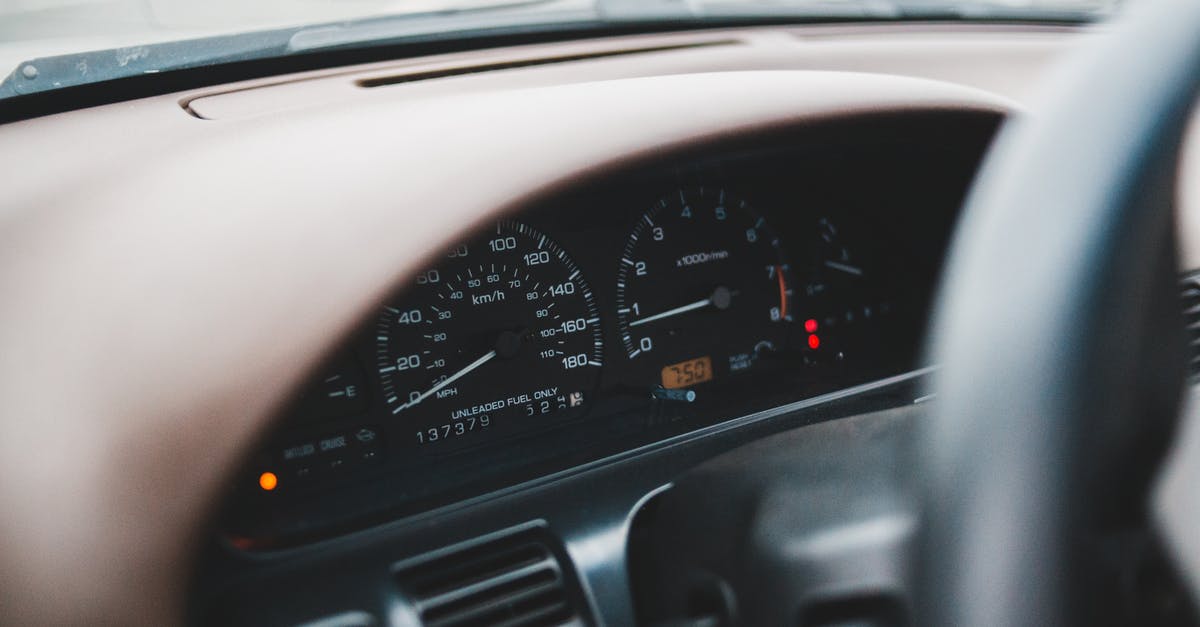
502,336
703,290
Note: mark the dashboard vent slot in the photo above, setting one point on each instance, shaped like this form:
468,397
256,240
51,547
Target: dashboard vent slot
1190,295
515,581
479,68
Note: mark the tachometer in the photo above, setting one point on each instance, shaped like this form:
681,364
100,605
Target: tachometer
703,290
502,336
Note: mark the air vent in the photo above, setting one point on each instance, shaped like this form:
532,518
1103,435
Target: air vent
514,581
511,64
1190,295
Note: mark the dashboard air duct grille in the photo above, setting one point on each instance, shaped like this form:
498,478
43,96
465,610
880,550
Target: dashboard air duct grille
1190,294
515,581
511,64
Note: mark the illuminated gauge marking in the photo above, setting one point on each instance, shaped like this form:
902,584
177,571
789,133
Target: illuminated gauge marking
502,336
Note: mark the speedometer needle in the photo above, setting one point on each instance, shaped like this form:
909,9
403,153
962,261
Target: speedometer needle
719,299
448,380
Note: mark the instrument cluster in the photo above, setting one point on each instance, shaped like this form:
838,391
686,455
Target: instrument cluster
618,314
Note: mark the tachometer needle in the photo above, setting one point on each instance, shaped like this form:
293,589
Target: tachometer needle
448,380
844,268
673,312
720,299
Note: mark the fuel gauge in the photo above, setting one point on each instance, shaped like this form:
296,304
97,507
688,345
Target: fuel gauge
835,254
840,298
338,391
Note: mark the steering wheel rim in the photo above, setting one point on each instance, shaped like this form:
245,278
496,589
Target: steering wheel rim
1058,331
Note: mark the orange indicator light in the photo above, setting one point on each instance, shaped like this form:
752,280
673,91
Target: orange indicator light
268,481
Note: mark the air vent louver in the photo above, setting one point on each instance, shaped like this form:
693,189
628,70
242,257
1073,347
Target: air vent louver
516,581
1190,295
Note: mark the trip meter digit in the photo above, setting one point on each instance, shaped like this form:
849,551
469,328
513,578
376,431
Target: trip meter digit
500,337
703,290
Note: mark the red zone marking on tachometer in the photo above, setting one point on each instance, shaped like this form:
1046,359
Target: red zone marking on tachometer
782,293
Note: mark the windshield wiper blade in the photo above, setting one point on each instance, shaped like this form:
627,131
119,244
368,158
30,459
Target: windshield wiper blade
70,70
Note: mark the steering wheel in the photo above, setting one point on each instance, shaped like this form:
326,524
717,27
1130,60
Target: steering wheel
1060,343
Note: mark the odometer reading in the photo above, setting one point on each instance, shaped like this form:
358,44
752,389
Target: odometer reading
687,373
502,336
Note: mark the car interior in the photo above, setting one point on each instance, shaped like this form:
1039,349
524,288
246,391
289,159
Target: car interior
600,312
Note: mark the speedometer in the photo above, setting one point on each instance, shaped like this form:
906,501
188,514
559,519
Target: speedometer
500,337
703,291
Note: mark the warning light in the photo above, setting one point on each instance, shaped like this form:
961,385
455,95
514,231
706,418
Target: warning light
814,342
810,326
268,481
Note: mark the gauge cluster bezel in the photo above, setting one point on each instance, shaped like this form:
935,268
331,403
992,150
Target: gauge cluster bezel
891,190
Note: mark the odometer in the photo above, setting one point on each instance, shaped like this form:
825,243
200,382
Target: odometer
500,337
687,373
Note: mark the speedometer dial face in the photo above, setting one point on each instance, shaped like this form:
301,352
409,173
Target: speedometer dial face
703,290
502,336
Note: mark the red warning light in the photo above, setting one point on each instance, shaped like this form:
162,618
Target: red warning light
810,326
814,342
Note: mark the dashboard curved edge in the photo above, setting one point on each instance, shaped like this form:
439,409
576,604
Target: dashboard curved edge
220,237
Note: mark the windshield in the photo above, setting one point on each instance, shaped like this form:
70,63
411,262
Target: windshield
51,44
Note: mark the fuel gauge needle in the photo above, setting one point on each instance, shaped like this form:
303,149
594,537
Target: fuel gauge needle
848,269
448,380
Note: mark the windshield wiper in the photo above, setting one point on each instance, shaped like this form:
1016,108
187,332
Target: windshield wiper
519,17
69,70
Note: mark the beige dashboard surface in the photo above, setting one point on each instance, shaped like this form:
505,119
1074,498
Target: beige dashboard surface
171,267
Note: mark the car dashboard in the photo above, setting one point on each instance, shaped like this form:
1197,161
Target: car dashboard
666,246
647,304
